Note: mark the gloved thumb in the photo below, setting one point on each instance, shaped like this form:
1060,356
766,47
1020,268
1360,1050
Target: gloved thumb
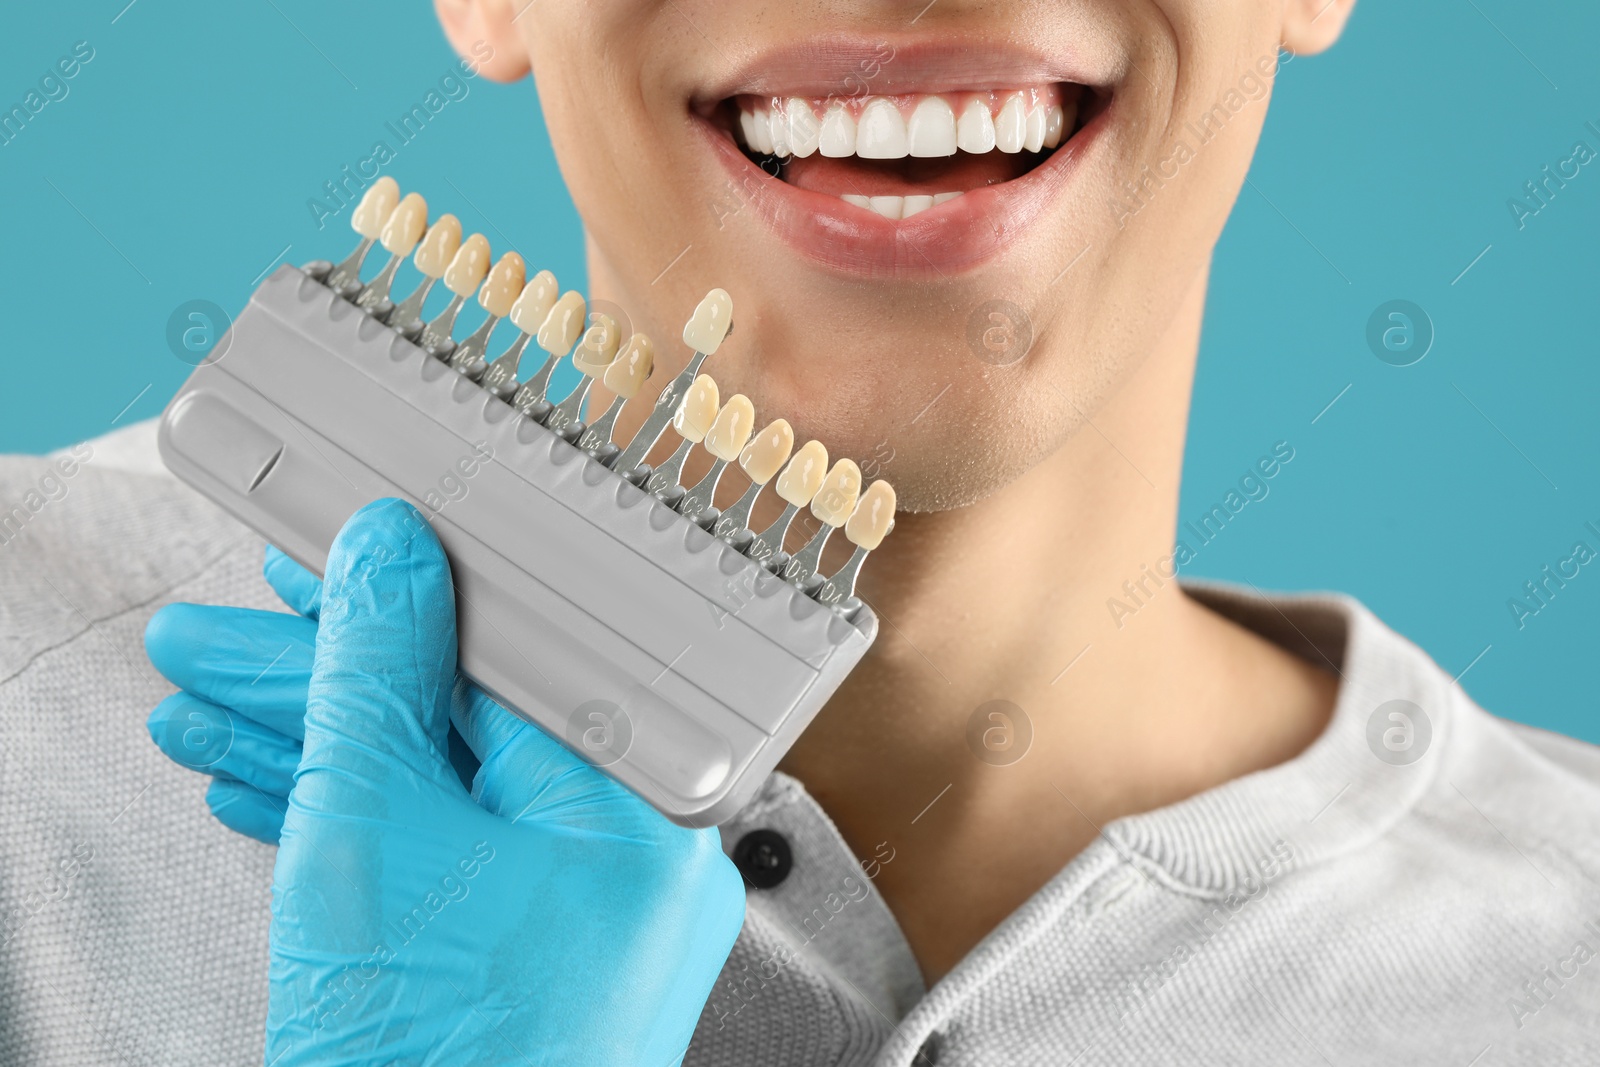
386,651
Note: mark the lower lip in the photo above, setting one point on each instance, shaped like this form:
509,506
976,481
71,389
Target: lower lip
953,237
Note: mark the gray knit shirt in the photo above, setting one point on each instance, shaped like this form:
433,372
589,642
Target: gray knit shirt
1420,886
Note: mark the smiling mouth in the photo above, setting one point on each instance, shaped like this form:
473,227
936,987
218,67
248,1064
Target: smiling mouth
912,182
902,155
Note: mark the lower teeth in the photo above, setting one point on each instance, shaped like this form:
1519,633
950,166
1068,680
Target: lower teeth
898,207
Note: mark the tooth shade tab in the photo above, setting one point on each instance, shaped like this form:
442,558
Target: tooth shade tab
377,204
561,328
503,285
405,225
731,429
873,517
767,451
836,497
697,411
468,266
710,323
627,373
439,246
535,302
803,476
599,346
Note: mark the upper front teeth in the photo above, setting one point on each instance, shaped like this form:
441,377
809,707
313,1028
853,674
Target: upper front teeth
931,130
888,128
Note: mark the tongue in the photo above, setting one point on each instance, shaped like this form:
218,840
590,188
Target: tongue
906,177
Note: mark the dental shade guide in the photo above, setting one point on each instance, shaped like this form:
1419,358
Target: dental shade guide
704,333
580,593
724,440
591,359
760,460
466,272
624,377
498,293
374,209
801,478
538,296
866,528
561,328
399,236
835,499
691,421
431,259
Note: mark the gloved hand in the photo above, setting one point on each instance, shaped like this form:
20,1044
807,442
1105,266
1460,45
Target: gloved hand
549,915
239,715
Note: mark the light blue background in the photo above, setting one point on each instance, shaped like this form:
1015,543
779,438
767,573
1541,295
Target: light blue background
180,164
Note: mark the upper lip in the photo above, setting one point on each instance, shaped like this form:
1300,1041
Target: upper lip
840,65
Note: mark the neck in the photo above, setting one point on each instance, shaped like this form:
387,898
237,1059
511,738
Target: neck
1007,600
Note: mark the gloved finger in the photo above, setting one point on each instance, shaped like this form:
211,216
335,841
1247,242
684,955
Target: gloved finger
255,663
525,771
246,810
462,759
201,736
296,587
481,721
386,645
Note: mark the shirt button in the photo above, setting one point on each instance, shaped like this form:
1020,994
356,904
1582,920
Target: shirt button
764,858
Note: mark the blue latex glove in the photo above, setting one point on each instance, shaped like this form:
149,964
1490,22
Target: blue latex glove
547,916
240,713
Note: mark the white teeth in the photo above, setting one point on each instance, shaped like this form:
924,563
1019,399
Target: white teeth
1011,126
975,132
1054,126
881,134
1035,139
932,129
804,130
790,126
837,138
890,207
761,130
898,207
780,131
1037,119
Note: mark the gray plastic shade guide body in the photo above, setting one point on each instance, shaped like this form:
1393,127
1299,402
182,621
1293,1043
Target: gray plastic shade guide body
587,606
